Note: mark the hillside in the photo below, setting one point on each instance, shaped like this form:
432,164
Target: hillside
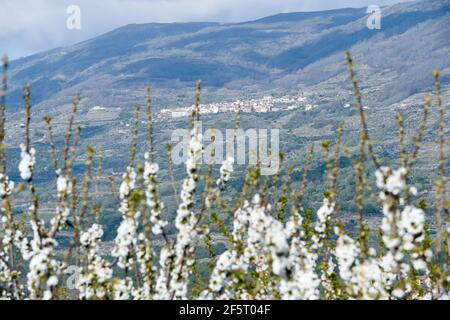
286,54
278,53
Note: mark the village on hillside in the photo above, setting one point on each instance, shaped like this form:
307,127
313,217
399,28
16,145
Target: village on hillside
261,105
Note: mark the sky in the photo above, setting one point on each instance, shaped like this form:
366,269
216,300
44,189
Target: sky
31,26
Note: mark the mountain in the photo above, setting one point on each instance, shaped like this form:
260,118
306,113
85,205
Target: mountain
280,53
293,53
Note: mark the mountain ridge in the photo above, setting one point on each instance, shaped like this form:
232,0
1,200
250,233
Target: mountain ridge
112,71
283,52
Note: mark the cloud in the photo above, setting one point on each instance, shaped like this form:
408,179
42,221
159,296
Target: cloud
29,26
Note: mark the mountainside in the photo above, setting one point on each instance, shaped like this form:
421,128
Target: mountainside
294,54
284,52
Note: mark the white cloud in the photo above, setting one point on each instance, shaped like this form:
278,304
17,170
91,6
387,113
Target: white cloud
29,26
